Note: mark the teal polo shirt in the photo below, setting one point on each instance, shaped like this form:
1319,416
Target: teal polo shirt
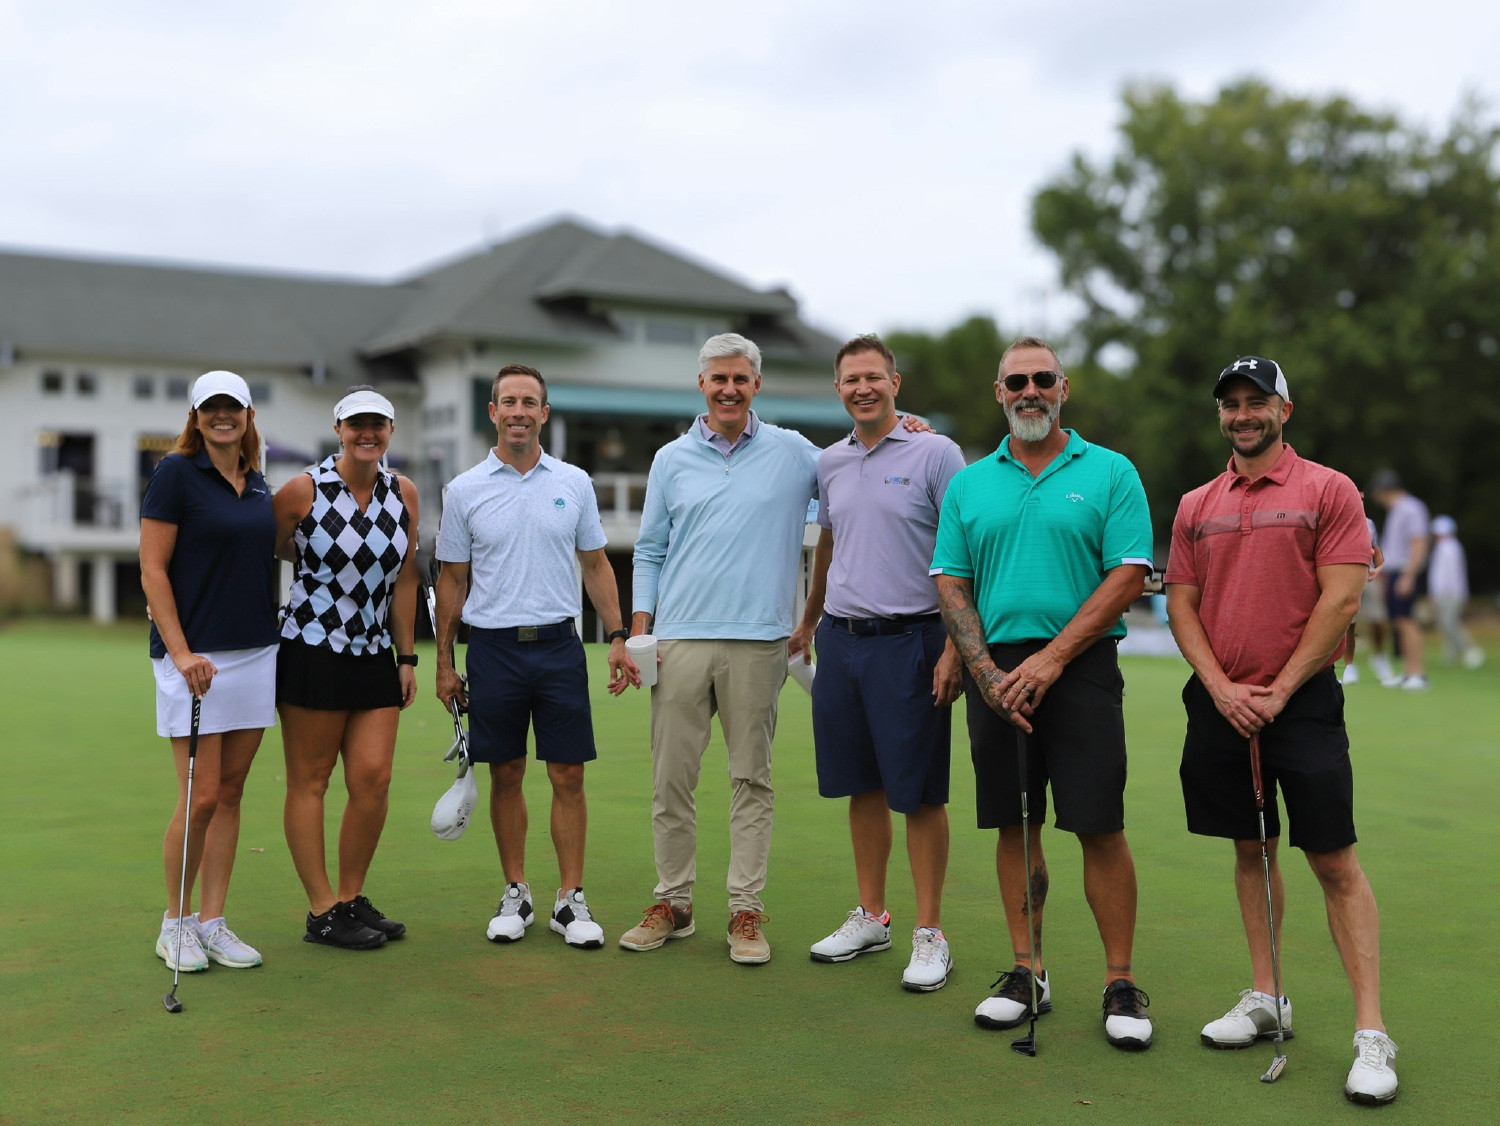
1036,548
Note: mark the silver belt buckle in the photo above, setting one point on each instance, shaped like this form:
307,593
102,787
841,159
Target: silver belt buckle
526,633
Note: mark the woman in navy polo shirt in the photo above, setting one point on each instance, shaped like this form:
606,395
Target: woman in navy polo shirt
208,567
350,527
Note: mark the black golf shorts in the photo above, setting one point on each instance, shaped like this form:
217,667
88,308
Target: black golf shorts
1077,744
1304,755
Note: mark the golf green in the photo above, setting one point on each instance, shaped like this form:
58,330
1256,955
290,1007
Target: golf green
444,1024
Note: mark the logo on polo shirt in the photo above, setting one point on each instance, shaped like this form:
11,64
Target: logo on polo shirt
894,480
1075,497
559,502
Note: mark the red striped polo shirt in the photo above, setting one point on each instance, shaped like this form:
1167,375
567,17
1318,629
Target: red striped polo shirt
1253,548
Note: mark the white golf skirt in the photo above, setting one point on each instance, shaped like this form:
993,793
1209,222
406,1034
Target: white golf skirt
242,695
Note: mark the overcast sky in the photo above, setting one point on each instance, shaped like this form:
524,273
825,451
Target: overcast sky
877,158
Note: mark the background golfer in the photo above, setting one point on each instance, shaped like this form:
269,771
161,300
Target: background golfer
1268,561
1040,549
516,525
887,672
208,567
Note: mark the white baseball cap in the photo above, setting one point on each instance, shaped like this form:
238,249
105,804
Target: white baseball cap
212,383
363,402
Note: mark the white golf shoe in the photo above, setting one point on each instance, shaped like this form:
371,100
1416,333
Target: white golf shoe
224,946
1126,1024
1351,673
513,915
572,920
1384,671
1252,1019
1010,1004
860,933
1372,1079
187,958
930,962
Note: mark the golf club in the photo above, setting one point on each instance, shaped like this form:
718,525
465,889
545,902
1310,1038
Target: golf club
170,1001
1278,1065
1026,1045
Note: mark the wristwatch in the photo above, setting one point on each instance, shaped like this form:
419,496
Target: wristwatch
622,634
407,659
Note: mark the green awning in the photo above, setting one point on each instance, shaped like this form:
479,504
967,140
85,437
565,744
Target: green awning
784,410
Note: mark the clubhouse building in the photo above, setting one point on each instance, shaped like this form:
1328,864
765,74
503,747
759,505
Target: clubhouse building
96,358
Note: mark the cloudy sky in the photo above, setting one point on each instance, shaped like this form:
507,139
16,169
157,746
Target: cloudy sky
877,158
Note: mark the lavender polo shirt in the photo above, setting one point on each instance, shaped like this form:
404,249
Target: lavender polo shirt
882,506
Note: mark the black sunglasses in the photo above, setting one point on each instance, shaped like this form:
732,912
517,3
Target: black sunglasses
1017,380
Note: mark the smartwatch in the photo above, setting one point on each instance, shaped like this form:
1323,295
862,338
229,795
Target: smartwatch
406,659
622,634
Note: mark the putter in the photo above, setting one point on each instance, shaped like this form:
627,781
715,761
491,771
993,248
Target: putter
170,1001
1026,1045
1278,1065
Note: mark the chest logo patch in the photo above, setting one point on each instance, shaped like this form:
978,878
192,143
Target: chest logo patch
894,480
559,502
1075,497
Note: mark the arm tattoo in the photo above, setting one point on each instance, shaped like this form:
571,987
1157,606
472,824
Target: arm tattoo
955,596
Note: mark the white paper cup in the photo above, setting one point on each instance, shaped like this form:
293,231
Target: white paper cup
801,672
642,650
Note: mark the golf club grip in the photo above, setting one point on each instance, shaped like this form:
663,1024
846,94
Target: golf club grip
1021,760
1260,793
193,730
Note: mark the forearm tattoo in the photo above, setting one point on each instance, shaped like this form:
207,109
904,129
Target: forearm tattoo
960,615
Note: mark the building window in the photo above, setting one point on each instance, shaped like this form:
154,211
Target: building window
143,387
177,388
661,331
260,393
87,383
52,383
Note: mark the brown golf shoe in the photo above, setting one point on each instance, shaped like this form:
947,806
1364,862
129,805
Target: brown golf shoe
662,921
747,945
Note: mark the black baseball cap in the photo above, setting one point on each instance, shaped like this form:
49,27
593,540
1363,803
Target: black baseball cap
1265,374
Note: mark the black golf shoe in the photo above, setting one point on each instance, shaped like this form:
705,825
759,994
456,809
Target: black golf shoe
339,926
1010,1004
366,913
1125,1021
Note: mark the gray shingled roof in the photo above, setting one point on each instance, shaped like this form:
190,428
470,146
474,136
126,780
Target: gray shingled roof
188,314
536,287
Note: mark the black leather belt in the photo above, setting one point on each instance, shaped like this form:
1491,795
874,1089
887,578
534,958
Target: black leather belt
871,627
553,632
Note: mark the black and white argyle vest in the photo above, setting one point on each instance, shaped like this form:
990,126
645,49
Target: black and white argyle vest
347,562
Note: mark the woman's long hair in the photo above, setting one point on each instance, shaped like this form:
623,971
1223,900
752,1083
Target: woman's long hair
190,441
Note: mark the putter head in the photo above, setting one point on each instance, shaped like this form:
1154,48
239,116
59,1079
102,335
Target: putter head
1278,1065
1026,1045
171,1003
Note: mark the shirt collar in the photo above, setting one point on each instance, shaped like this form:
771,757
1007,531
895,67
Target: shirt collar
1280,473
705,434
495,465
1076,446
899,433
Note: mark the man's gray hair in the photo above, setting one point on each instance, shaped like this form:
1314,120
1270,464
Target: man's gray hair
728,344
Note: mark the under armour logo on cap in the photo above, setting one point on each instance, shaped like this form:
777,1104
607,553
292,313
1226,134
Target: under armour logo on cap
1265,374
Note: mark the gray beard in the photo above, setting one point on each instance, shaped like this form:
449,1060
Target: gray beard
1032,429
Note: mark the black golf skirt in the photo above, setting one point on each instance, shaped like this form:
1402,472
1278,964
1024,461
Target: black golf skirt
309,676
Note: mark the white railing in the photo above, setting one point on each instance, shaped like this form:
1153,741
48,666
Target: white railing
60,512
621,496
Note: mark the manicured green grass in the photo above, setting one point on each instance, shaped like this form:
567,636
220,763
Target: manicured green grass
446,1024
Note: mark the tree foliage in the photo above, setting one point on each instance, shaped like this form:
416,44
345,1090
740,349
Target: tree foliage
1358,252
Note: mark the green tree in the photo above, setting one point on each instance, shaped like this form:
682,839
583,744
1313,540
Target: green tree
1357,251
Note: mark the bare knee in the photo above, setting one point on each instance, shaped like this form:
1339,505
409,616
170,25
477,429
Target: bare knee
1339,871
566,778
507,777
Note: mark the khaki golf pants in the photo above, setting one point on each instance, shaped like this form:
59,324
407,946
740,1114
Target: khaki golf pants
741,680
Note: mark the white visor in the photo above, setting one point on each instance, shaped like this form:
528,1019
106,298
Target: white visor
363,402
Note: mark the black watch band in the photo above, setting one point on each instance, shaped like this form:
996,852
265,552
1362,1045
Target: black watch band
407,659
622,634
